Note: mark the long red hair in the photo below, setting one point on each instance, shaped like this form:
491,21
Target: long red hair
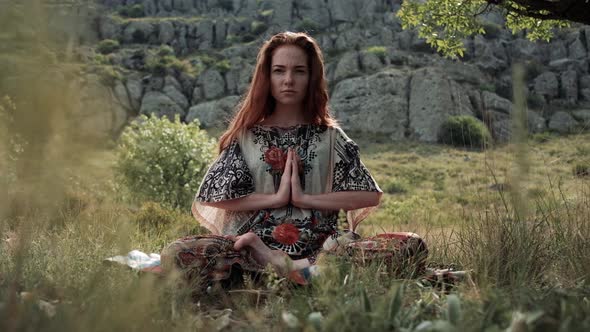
259,103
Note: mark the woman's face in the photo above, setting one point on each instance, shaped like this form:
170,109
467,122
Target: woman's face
289,75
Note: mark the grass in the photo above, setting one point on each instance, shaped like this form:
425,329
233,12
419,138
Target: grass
463,220
515,216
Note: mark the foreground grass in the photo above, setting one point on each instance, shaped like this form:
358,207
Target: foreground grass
528,268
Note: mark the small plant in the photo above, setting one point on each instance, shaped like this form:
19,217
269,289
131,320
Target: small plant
161,65
107,46
489,87
395,186
165,50
543,137
464,131
258,27
307,25
163,161
266,13
133,11
379,51
223,65
581,170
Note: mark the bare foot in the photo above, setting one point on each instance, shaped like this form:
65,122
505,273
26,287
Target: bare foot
261,253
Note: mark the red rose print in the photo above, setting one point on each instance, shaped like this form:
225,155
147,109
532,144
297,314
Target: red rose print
276,158
286,234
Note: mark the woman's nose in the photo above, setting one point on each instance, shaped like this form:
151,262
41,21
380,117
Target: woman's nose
289,78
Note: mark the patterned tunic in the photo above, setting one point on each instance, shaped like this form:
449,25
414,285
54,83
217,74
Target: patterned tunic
254,163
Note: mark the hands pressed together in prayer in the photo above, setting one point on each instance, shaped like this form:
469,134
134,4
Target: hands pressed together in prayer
290,190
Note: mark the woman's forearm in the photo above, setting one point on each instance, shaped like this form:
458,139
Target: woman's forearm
247,203
346,200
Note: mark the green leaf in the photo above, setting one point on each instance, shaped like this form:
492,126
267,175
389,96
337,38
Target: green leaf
396,303
453,309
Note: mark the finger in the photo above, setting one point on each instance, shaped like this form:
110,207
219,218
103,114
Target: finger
287,163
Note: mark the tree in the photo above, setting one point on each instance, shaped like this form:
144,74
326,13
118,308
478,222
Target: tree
446,23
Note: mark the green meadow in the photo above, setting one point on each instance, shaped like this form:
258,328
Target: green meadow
515,216
527,268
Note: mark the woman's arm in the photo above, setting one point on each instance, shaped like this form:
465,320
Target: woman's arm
346,200
251,202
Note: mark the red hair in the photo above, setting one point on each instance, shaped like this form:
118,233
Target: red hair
259,103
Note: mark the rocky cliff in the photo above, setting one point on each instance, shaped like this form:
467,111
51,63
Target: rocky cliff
194,58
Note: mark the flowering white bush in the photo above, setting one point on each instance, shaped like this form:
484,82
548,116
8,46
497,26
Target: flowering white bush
163,161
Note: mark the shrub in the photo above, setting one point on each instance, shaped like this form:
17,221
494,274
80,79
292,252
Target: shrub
379,51
490,87
161,65
163,161
133,11
258,27
395,186
223,66
107,46
307,25
165,50
581,170
464,131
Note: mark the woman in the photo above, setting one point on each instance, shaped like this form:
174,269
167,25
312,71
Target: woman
285,168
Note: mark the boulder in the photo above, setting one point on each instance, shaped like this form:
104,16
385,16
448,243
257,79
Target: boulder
493,102
569,86
557,50
315,11
460,97
376,103
576,50
562,122
109,28
585,85
211,83
121,95
583,116
462,72
568,64
347,66
174,93
342,11
96,111
431,103
158,104
150,7
349,39
166,32
135,91
500,125
547,85
535,122
214,113
282,11
370,62
489,55
138,32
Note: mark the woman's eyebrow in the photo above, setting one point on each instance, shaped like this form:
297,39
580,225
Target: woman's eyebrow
283,66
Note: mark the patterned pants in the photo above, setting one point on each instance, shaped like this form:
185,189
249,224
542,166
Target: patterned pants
204,259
